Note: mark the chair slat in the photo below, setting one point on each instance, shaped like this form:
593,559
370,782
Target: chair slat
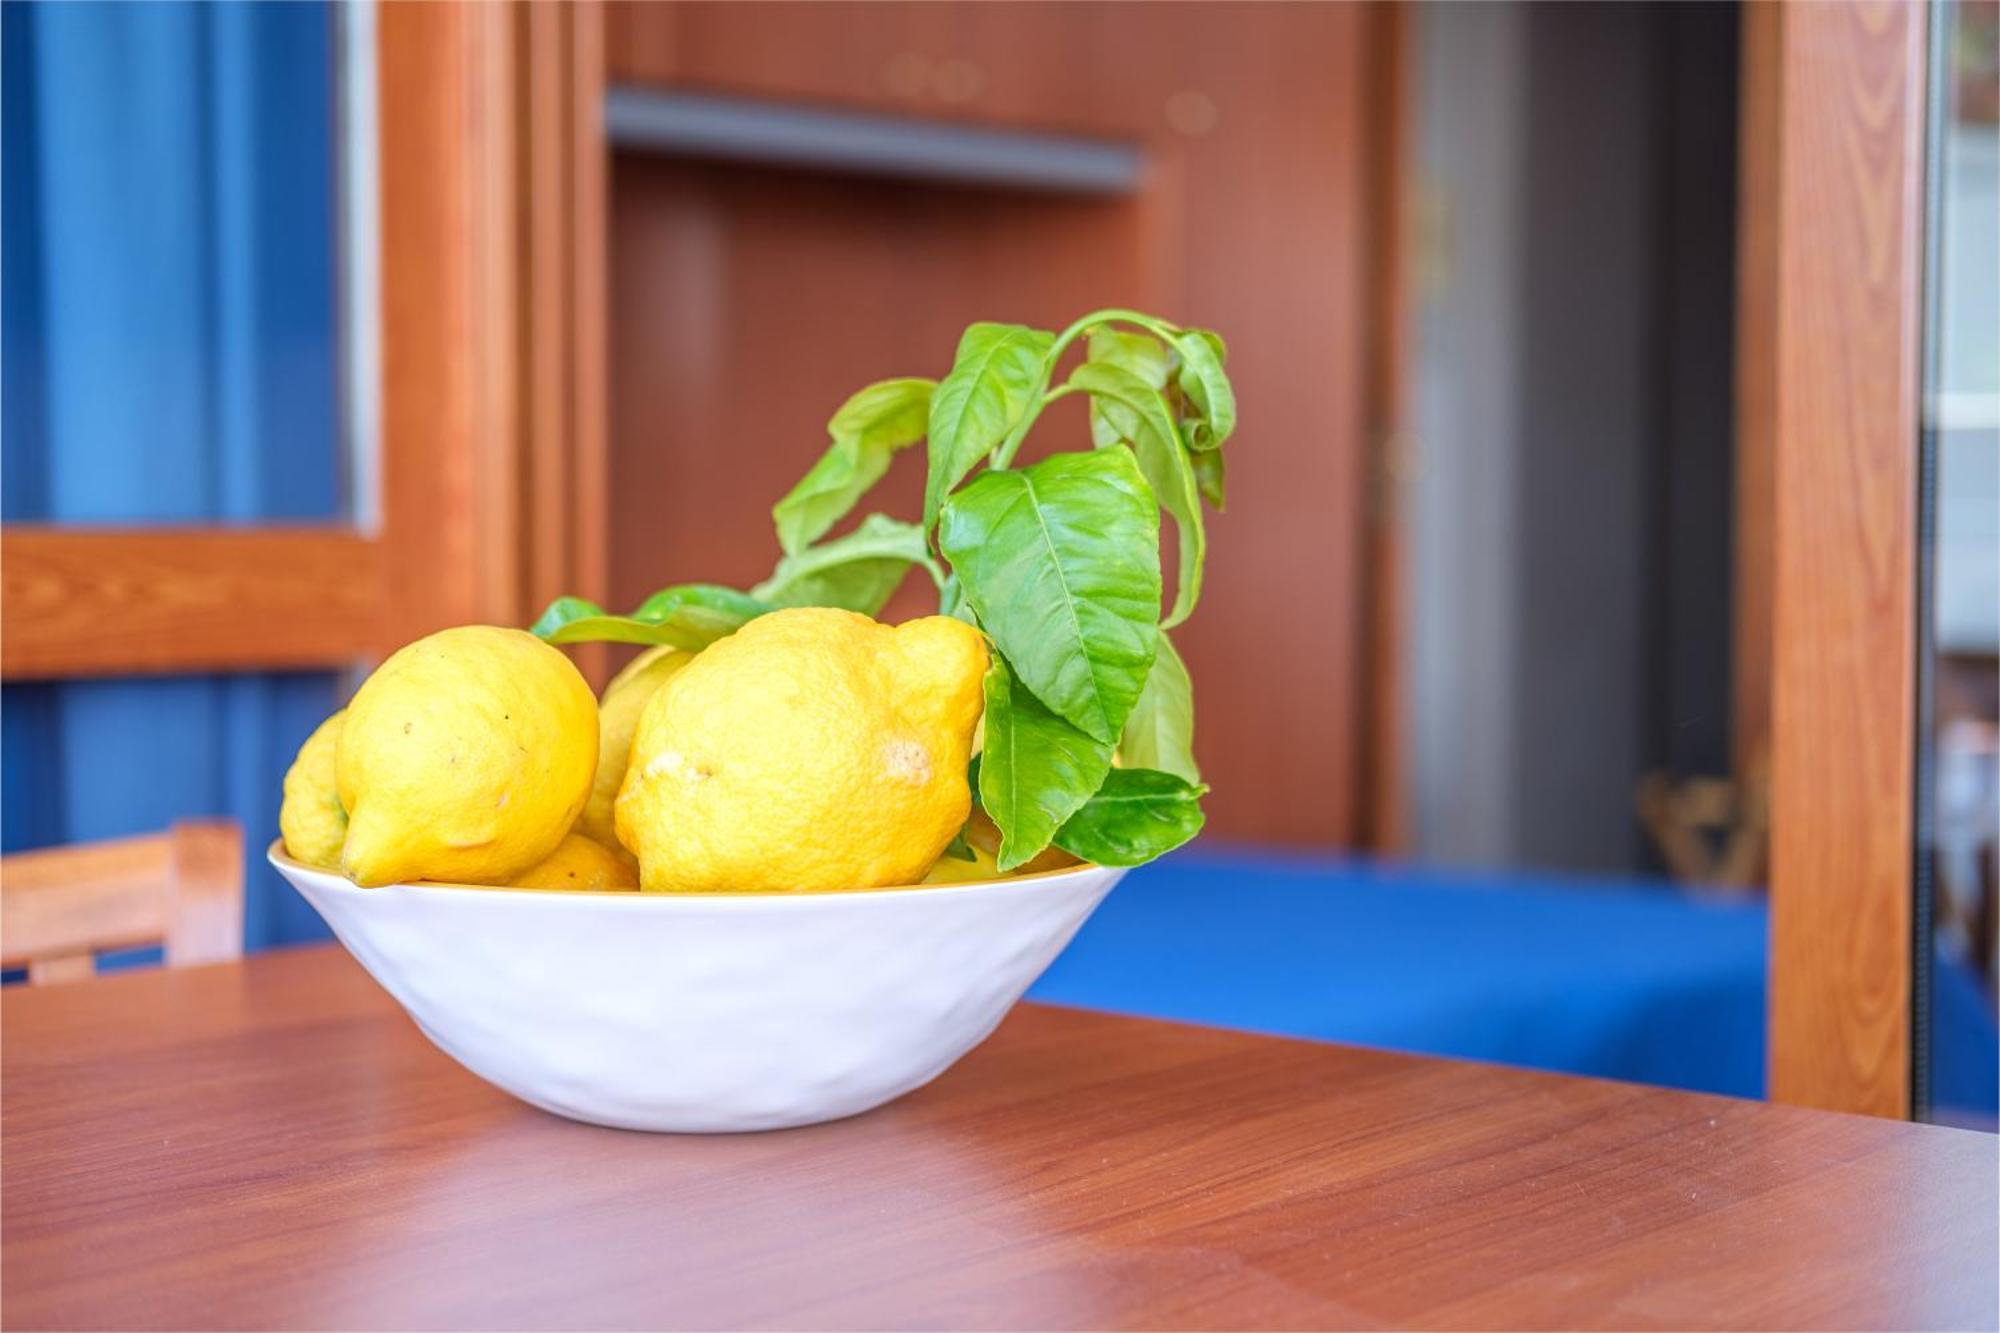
182,889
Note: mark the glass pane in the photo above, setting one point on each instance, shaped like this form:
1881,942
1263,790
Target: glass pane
94,759
172,321
1958,1033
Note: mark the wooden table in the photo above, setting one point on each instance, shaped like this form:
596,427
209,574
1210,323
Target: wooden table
273,1144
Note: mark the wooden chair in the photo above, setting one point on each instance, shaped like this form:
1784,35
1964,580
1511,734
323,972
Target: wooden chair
182,889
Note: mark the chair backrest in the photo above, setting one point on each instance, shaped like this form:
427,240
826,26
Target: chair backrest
182,890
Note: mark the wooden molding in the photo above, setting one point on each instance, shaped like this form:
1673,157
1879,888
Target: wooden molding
562,165
1838,88
1385,738
84,602
1756,378
448,301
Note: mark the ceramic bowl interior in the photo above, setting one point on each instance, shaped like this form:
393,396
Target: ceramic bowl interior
706,1012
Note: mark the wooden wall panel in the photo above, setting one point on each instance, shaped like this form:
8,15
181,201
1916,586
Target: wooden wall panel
746,303
1068,66
1843,89
1273,255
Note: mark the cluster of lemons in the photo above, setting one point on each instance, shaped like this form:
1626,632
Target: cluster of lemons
813,749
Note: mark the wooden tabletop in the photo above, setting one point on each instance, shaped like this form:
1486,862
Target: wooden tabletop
273,1144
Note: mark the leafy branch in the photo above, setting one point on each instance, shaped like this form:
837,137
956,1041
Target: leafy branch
1089,710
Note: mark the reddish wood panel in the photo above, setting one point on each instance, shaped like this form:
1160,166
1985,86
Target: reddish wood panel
99,601
1848,84
273,1145
746,303
1066,67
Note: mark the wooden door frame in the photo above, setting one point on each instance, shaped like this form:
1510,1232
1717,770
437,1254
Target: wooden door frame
1386,736
1829,321
491,191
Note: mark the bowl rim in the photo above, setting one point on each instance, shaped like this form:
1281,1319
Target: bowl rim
339,883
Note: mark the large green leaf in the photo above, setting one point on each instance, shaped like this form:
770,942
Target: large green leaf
996,379
1135,411
1136,815
1035,771
1160,732
867,431
859,571
1207,388
1061,563
689,616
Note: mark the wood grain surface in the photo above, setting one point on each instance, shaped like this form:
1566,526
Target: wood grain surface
272,1144
451,427
1841,88
94,601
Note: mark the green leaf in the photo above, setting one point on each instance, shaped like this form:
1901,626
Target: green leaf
997,378
1138,814
1142,354
1210,477
867,431
1137,412
951,601
1160,732
1061,563
958,849
1207,388
689,616
858,572
1035,771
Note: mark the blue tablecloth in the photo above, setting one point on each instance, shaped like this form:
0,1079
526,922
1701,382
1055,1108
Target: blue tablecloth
1621,978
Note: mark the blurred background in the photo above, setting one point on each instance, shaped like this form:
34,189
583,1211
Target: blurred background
1485,666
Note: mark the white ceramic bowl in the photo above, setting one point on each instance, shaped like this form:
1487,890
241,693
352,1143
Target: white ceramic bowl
706,1012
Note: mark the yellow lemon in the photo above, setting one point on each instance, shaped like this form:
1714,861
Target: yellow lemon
312,820
617,719
466,757
579,863
811,749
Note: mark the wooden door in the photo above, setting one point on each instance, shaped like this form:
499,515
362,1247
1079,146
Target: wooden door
747,301
1830,315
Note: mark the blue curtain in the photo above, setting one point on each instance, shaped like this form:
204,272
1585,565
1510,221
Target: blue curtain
170,356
